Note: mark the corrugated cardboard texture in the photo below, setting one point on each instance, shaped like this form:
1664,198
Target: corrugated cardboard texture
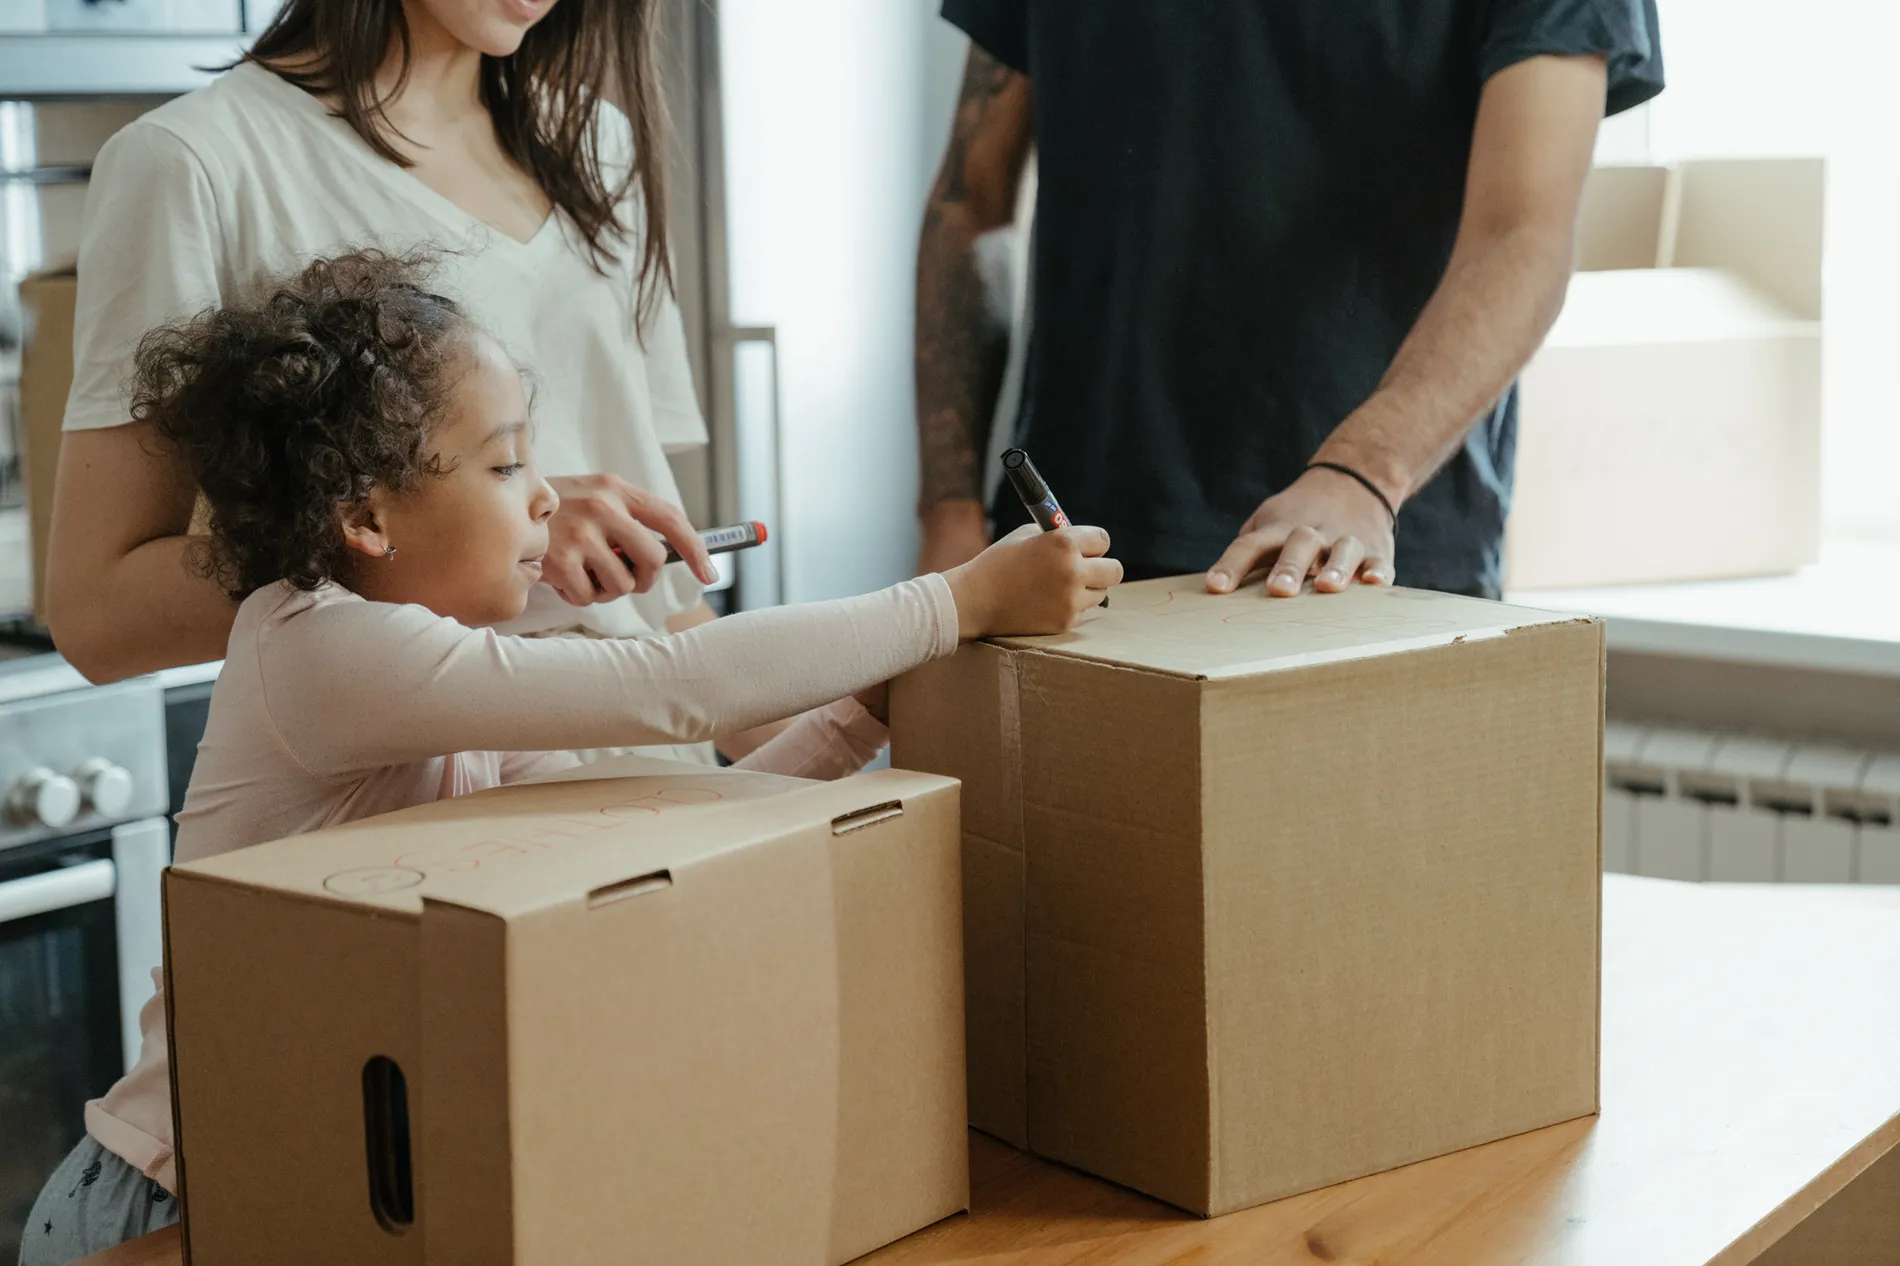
960,718
1117,1050
753,1056
1309,888
276,1004
1402,878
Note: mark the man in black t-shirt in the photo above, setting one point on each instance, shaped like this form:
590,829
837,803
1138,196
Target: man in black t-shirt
1289,257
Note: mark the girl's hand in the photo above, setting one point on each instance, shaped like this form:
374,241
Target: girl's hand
1033,581
601,513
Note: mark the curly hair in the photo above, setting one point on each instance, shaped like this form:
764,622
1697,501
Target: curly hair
289,407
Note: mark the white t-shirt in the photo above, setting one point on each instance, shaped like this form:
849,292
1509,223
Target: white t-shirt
253,177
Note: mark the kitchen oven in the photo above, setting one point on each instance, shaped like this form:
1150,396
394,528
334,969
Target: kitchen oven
83,839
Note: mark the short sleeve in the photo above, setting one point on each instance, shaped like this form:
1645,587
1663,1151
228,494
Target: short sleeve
1624,32
1000,27
677,421
148,254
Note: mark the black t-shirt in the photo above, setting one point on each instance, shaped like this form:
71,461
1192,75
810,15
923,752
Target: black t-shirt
1243,207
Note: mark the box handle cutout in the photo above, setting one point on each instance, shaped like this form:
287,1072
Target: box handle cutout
638,886
877,813
386,1130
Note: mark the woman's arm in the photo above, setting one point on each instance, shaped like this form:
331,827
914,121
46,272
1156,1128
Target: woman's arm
123,595
353,686
825,743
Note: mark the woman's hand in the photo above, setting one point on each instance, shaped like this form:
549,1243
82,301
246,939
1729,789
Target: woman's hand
1033,581
601,513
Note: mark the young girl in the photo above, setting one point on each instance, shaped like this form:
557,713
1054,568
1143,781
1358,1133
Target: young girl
365,450
483,124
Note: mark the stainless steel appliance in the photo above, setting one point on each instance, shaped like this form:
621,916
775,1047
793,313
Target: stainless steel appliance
93,48
83,839
46,153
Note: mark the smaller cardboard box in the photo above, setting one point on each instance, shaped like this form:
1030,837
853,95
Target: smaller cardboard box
1670,428
672,1016
1264,895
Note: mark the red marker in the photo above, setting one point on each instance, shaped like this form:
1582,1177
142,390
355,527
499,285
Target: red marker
720,540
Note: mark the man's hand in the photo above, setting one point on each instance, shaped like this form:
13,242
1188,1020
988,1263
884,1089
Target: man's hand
1325,522
1530,153
601,513
954,533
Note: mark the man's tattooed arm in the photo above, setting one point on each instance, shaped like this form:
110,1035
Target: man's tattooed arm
961,349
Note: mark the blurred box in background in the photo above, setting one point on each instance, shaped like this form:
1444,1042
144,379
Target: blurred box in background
1671,425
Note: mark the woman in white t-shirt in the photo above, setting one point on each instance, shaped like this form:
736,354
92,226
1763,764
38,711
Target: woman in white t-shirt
478,126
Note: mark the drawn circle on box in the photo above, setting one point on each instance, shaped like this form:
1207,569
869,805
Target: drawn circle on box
372,881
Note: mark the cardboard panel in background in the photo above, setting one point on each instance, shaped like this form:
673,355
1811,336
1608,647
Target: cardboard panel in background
1670,427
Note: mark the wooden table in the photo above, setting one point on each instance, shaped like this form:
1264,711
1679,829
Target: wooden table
1751,1073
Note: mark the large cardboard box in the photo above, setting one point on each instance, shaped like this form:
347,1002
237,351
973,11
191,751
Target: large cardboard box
1263,895
685,1016
1670,428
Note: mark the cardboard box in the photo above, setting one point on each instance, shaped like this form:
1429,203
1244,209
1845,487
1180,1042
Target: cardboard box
46,376
683,1016
1670,429
1265,895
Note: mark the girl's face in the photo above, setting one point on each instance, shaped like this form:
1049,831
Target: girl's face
469,541
493,27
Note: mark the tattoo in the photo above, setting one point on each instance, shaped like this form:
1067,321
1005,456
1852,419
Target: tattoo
961,349
984,80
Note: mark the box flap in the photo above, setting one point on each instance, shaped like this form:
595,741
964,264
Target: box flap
1175,626
513,850
1671,305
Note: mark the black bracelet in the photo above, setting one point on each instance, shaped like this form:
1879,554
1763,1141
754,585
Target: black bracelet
1365,483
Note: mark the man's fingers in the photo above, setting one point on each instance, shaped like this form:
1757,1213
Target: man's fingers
1378,570
1295,563
1341,567
1249,551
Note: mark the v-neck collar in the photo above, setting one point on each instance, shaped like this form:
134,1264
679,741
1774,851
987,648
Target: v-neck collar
444,208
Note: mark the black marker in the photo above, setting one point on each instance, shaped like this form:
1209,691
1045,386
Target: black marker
1034,491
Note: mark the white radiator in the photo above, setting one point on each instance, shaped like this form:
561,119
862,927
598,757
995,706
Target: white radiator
1684,805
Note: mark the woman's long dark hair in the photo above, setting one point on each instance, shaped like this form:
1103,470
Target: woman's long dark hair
546,101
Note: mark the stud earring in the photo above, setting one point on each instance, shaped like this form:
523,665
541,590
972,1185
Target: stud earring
389,554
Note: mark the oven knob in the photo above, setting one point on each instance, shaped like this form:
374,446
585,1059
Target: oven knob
107,788
46,798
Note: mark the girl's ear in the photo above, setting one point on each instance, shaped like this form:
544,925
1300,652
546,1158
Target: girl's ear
362,528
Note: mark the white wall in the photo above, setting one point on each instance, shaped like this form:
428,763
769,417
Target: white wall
835,113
